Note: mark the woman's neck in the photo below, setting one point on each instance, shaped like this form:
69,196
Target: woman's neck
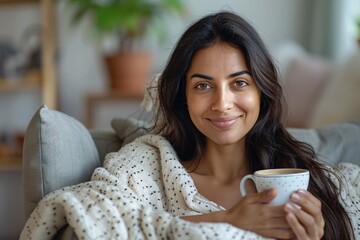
225,163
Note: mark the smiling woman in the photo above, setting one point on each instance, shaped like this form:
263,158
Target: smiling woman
224,125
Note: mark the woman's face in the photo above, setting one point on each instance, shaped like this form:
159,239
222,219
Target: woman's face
222,97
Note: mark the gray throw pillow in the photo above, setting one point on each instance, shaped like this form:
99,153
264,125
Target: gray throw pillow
58,151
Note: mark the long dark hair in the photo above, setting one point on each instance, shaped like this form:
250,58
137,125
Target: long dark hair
268,143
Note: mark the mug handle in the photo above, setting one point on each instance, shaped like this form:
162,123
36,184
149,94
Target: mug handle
242,184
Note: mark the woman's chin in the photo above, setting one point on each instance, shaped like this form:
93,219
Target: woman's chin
226,140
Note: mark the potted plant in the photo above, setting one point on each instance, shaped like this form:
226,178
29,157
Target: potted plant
131,21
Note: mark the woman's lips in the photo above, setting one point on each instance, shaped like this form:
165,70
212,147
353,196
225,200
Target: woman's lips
223,122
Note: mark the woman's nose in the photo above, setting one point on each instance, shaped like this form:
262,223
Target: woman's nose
223,100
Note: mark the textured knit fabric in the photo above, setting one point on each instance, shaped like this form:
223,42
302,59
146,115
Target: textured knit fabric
139,193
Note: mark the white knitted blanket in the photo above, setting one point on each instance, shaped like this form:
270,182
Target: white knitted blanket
139,194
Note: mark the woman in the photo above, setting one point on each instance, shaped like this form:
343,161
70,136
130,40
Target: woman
218,120
222,104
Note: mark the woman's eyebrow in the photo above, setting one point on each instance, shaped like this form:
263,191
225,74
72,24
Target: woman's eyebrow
239,73
200,75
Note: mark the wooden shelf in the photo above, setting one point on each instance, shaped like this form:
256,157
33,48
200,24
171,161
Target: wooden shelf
18,1
122,98
32,80
10,163
112,95
17,86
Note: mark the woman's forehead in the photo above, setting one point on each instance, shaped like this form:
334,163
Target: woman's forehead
218,57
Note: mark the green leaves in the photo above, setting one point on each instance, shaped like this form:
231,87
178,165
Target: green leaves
174,5
129,18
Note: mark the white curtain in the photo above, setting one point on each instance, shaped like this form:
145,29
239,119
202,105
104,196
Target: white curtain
332,29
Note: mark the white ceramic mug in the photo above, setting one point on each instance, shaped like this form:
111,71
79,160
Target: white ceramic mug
285,180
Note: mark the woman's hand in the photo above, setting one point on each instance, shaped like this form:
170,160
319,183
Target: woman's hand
253,213
306,222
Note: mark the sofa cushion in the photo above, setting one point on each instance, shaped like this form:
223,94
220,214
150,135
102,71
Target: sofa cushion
127,129
333,143
58,151
306,81
106,141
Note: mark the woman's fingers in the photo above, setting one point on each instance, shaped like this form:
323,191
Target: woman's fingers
301,222
307,200
253,213
277,233
309,204
299,231
307,221
263,197
278,222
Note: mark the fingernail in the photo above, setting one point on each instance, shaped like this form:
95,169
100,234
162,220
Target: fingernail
289,206
302,191
295,196
290,217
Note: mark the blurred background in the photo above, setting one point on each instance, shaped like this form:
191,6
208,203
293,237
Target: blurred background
68,55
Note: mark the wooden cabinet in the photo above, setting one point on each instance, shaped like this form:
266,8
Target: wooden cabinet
44,80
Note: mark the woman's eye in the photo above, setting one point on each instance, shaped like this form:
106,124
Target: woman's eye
240,83
202,86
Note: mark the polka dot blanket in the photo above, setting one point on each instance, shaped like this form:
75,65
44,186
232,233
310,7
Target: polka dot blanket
139,193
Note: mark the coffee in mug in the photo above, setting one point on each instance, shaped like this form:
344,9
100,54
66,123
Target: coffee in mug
284,180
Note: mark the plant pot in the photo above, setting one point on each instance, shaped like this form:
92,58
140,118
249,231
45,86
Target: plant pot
129,71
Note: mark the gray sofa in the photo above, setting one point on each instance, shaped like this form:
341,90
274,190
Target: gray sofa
59,151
